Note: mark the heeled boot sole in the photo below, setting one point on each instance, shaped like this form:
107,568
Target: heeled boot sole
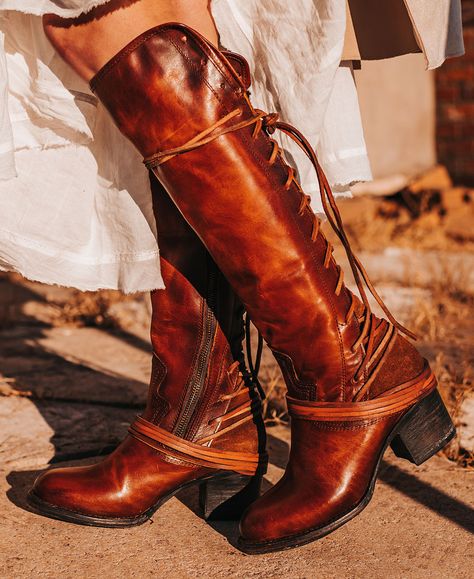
222,496
422,432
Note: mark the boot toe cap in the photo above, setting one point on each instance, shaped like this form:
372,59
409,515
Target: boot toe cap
62,488
261,523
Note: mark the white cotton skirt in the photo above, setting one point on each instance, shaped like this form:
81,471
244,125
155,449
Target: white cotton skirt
74,194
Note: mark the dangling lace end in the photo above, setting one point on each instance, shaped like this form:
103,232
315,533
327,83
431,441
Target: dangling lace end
259,387
254,368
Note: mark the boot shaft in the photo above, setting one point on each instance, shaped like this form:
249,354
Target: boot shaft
196,330
184,106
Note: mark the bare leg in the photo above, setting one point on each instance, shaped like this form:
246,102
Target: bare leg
86,43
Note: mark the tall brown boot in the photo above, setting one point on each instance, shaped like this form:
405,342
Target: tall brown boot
201,423
355,384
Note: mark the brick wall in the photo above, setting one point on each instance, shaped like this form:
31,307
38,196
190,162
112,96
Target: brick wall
455,107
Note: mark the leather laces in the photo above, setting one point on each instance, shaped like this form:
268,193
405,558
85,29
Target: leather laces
197,453
247,410
270,123
200,451
254,367
391,402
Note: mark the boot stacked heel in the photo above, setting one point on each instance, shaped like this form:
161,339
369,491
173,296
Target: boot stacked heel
225,498
424,431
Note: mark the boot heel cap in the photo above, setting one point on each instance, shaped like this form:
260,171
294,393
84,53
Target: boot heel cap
424,431
225,498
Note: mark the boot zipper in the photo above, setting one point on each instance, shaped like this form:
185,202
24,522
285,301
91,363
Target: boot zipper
198,378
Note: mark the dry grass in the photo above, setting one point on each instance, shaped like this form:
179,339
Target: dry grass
445,325
429,220
444,321
438,220
442,317
455,384
274,405
91,309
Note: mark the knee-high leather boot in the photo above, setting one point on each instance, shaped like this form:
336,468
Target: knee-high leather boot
201,423
355,384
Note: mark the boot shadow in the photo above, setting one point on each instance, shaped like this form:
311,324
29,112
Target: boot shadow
278,451
42,377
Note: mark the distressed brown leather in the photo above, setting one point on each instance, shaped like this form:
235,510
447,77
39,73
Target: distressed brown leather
163,89
329,471
334,453
136,476
185,107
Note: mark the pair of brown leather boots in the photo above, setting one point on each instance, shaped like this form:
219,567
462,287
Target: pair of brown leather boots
355,385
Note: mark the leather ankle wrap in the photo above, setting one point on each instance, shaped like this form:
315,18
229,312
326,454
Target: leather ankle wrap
190,452
389,403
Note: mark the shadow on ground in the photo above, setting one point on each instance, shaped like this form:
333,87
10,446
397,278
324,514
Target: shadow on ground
62,390
410,485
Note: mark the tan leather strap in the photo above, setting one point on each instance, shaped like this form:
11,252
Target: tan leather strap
171,445
389,403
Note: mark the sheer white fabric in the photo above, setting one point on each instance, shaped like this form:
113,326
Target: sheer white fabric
78,211
74,195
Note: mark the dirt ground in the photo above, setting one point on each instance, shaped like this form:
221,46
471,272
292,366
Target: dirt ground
74,370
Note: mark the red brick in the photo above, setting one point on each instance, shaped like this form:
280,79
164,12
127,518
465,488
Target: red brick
445,129
461,112
455,108
469,41
465,131
448,92
454,74
462,148
467,91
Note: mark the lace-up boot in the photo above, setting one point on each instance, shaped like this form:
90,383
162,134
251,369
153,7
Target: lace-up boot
355,384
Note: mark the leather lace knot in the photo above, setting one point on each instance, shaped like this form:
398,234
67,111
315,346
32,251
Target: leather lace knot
270,122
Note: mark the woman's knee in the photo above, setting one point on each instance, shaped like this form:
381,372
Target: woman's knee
53,32
86,43
71,42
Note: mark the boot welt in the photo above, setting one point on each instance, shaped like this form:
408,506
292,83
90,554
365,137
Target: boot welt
395,438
